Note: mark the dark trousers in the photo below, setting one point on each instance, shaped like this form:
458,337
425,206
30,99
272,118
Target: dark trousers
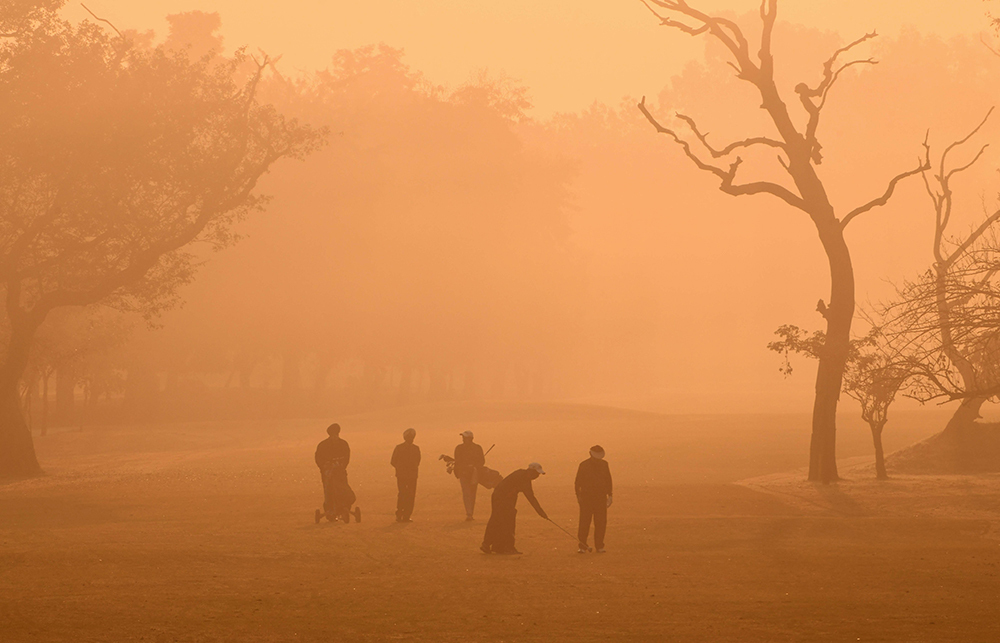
499,536
469,486
596,509
407,486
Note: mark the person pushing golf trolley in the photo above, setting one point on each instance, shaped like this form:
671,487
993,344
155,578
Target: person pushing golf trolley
332,457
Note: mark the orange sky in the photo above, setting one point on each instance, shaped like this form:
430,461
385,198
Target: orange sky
568,52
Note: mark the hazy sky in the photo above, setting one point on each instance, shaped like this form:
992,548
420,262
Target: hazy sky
568,52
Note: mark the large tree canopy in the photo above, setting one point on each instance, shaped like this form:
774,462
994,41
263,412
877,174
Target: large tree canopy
115,160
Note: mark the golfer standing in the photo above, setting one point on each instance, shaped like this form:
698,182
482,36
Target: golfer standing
499,536
593,492
469,458
406,460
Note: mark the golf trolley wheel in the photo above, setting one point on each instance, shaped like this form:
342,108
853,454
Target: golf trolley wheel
357,514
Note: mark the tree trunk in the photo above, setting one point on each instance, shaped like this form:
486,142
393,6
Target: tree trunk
437,388
470,390
405,385
17,451
45,403
324,364
291,372
372,376
65,392
30,391
498,387
830,374
966,413
880,472
291,381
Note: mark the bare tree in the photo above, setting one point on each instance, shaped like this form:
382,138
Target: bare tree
948,319
798,153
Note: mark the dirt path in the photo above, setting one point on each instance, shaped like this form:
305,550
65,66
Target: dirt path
205,533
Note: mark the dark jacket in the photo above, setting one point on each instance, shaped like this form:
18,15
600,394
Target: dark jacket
406,459
593,479
468,459
505,493
331,451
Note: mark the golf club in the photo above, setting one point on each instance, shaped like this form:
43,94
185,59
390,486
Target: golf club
578,541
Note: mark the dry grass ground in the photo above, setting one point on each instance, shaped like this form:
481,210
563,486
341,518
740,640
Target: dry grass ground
204,532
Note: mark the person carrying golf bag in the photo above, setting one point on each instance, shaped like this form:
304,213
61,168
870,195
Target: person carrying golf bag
593,492
405,460
499,536
332,457
469,458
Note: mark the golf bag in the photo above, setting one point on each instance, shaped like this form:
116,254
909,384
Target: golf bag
489,478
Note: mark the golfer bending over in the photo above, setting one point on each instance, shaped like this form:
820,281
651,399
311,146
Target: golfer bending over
499,536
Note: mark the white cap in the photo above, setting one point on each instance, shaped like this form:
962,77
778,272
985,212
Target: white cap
466,434
537,467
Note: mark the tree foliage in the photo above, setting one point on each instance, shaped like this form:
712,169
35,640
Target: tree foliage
114,160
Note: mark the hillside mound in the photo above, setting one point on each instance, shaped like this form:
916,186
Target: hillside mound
974,448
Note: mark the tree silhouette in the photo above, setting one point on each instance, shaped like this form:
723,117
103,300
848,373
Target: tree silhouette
875,372
116,159
799,153
948,319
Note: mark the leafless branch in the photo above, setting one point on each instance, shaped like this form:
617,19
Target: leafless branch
727,31
701,165
944,176
942,198
703,138
882,200
105,20
976,234
729,186
768,15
